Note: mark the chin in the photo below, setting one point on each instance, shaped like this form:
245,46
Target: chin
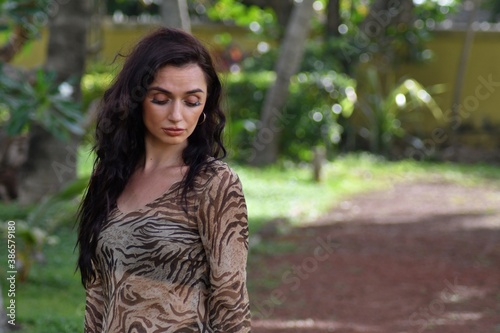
176,141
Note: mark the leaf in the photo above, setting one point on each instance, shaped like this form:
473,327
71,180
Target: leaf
39,101
50,206
73,127
347,107
18,121
73,189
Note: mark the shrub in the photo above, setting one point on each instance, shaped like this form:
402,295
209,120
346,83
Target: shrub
315,103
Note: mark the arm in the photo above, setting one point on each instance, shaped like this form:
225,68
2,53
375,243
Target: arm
94,307
224,232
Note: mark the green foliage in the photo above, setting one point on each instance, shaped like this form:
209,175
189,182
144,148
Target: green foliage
431,10
260,61
60,208
383,110
316,101
289,191
494,7
260,22
19,10
53,288
34,98
28,14
399,47
318,57
25,100
29,243
36,230
10,211
240,14
401,43
94,83
229,12
397,44
54,324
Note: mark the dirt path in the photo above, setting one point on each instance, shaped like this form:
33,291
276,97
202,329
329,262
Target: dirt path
417,258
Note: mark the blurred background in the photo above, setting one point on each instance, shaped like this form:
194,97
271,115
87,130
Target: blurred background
365,133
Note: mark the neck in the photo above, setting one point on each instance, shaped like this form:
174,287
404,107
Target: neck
162,156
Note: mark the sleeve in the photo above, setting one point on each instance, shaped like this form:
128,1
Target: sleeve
94,307
224,232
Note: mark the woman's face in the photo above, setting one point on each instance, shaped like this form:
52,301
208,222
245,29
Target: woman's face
173,104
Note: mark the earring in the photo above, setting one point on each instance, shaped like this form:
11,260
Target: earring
204,118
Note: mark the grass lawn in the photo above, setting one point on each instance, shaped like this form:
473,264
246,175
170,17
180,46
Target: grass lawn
291,193
52,299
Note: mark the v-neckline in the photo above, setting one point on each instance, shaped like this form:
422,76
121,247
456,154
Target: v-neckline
171,189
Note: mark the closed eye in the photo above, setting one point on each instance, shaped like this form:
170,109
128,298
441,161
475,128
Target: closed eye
163,102
193,104
160,101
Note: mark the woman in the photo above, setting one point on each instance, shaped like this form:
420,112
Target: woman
163,226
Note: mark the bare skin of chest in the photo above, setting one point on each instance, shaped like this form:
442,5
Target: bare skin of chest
144,187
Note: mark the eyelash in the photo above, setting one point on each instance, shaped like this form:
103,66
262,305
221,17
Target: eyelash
192,105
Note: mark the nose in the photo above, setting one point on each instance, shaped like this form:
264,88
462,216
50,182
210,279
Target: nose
175,112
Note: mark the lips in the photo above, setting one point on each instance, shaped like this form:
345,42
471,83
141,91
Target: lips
173,131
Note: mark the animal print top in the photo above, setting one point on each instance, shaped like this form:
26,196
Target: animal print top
162,269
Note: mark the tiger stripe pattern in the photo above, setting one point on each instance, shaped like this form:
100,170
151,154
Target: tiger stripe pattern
166,269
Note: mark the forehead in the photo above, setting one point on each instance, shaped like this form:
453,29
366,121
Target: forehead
191,75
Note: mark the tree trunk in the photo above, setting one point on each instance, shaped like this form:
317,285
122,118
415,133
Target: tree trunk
52,163
332,33
385,13
265,145
332,19
471,7
67,48
175,14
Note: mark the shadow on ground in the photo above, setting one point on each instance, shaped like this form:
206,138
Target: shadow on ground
416,258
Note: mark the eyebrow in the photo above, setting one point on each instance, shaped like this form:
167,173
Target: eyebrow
165,91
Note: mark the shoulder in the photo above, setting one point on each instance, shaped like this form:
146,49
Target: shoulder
219,171
221,193
218,175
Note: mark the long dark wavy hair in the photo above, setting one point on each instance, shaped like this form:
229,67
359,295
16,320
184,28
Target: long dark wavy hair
119,137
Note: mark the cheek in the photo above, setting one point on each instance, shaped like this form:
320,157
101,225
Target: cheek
149,113
193,120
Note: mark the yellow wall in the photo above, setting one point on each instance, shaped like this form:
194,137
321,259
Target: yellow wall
33,53
479,119
120,37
